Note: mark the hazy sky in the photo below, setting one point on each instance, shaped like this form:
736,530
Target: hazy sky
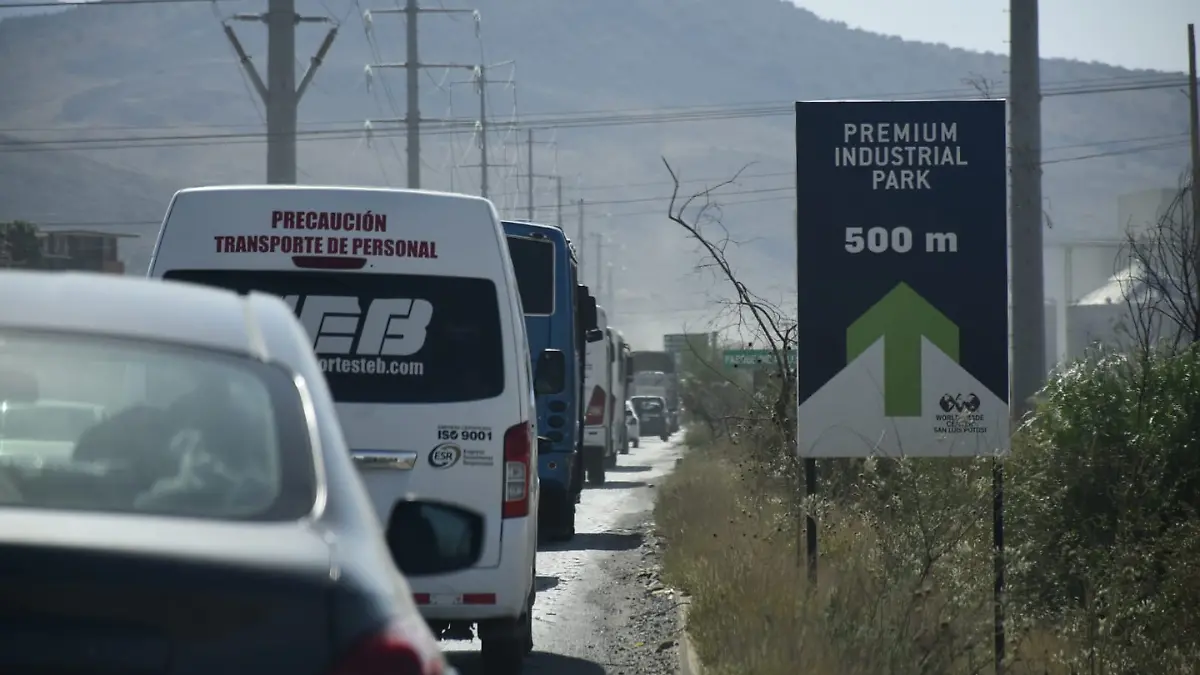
1129,33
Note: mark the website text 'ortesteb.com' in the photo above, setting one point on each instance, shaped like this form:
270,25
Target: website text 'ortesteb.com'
370,365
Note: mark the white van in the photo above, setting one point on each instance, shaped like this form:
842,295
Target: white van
619,379
599,452
413,308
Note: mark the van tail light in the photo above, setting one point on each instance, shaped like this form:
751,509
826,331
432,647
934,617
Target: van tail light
518,457
595,409
400,648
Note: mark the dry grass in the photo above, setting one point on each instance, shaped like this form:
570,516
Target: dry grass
733,546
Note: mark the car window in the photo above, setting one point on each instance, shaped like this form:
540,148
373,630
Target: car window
114,425
388,338
648,405
533,263
47,422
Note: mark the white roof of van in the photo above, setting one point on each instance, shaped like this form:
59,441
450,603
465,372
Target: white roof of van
319,188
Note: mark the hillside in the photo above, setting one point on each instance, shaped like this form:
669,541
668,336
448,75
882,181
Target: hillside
120,72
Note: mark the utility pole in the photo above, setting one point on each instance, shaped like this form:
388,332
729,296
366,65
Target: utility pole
1194,124
599,239
480,81
530,175
481,85
1028,292
412,67
582,236
612,292
280,94
558,191
558,198
529,183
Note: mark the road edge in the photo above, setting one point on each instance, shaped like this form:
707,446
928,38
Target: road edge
689,663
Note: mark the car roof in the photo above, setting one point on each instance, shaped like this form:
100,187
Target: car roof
137,308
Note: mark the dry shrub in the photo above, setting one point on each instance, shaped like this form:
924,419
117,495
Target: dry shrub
905,581
902,587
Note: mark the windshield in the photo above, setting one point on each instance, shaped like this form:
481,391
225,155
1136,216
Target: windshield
647,404
389,338
533,262
660,361
650,379
106,425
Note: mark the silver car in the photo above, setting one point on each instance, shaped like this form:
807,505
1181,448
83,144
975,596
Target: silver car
202,514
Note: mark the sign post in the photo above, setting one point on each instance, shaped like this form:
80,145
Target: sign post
902,280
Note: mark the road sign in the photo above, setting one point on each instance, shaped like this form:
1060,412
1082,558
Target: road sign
902,272
753,358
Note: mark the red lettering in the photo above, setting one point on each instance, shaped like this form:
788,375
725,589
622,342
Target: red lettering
346,221
304,244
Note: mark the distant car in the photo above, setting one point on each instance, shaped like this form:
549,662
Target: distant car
212,521
632,430
652,415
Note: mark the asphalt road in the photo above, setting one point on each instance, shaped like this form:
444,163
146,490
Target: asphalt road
600,609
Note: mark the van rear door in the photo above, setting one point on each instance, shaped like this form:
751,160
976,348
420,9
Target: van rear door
415,364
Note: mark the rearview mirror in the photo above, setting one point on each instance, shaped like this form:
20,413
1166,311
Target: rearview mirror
586,304
545,446
594,335
591,318
550,377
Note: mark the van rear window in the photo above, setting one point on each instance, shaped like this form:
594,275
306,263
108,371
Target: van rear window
533,262
388,338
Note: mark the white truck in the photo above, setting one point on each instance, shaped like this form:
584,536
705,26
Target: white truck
599,450
621,377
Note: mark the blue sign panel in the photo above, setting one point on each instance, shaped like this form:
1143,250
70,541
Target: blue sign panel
902,275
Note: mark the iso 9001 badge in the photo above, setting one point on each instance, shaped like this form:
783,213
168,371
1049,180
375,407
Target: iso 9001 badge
444,456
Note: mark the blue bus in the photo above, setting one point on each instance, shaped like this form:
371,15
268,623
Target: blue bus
557,316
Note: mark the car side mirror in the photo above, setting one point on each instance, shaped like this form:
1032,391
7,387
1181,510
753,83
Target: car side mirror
594,335
589,318
551,374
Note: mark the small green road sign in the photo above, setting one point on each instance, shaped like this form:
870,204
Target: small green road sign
902,318
753,358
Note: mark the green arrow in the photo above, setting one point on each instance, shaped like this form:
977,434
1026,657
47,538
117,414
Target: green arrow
901,318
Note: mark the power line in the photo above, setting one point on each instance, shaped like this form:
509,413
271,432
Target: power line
547,121
1099,85
772,174
719,198
102,3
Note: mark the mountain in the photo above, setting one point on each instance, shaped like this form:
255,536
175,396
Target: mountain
115,73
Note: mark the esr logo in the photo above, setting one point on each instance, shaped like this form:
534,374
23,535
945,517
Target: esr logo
444,456
392,326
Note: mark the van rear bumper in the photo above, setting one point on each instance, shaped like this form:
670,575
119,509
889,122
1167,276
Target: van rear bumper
511,582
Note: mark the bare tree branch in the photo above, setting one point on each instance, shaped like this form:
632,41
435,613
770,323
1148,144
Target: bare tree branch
768,322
